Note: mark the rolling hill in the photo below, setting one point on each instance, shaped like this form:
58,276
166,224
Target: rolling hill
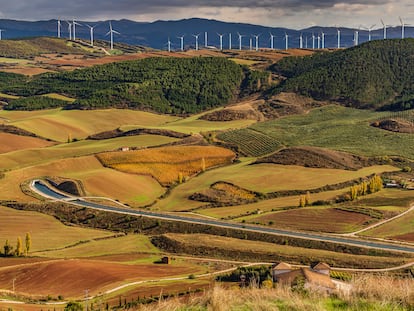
378,74
166,85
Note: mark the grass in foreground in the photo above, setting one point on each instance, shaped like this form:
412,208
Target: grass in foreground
368,293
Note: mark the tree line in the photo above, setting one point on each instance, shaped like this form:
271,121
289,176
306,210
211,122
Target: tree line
20,249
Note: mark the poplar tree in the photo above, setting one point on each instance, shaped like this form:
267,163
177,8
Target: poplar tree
19,247
28,243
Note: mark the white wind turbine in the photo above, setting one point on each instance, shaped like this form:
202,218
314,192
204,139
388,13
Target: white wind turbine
69,30
385,29
169,44
196,41
356,37
240,40
287,41
91,28
230,41
403,28
323,39
1,32
182,42
301,41
74,23
306,42
251,43
257,41
205,39
272,41
221,40
319,41
111,33
338,31
313,41
369,31
59,25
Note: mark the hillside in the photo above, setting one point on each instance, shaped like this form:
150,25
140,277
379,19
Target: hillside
166,85
378,74
29,48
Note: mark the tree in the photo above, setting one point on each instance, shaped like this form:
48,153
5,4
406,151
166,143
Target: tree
19,247
7,249
302,201
28,243
307,198
203,164
73,306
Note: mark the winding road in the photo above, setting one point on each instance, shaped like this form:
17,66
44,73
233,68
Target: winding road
45,191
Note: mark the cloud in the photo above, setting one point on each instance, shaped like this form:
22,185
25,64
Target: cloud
289,13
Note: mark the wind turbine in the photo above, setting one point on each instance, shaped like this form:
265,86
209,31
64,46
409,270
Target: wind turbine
313,41
69,30
169,44
205,39
319,41
91,28
272,41
385,29
221,40
301,41
287,41
257,41
59,25
338,31
74,23
369,31
240,40
402,28
323,39
251,43
1,31
196,41
182,42
356,37
111,32
229,40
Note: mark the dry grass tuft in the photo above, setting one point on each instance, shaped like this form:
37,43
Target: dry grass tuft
368,293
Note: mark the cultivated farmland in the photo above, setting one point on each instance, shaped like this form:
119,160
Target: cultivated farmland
168,164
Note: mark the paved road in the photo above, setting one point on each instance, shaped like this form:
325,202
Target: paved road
45,191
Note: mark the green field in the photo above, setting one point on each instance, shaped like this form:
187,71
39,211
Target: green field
337,128
112,246
46,231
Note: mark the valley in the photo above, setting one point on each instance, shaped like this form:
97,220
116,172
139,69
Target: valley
207,160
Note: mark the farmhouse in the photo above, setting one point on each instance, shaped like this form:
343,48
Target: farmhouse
316,277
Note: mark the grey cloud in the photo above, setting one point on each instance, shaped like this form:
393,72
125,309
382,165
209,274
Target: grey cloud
85,8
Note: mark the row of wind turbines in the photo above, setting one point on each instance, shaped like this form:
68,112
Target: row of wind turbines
318,40
72,31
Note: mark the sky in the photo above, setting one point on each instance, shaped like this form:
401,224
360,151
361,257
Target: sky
296,14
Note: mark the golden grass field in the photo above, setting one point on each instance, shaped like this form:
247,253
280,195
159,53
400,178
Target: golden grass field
98,181
46,231
59,124
166,164
128,244
36,156
263,178
12,142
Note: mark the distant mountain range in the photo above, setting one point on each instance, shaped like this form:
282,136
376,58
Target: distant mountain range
156,34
